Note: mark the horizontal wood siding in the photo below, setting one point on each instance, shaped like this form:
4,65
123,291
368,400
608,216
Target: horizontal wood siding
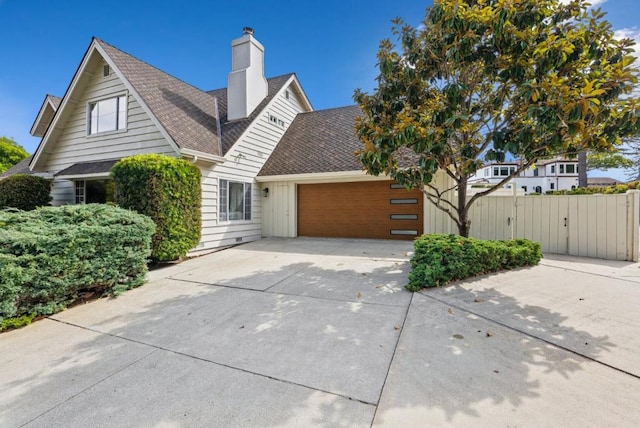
243,162
73,145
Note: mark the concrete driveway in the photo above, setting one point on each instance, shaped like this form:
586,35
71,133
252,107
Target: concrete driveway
320,332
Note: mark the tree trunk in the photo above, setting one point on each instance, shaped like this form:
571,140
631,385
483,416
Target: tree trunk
582,169
464,224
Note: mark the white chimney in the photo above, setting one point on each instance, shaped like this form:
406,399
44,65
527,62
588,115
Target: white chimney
247,86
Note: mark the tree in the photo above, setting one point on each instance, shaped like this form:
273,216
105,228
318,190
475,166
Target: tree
483,80
605,161
10,153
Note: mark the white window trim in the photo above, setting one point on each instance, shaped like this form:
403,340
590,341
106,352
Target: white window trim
97,100
245,184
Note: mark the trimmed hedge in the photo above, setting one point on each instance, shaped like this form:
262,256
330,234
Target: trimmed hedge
52,255
440,259
24,192
606,190
167,190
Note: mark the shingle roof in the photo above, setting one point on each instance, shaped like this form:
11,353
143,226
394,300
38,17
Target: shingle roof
82,168
187,113
231,131
21,167
318,141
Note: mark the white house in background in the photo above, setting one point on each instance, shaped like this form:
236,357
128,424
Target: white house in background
546,175
271,166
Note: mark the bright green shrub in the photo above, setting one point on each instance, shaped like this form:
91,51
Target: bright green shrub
25,192
50,255
167,190
440,259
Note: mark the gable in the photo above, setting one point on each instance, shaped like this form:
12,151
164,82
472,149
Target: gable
69,141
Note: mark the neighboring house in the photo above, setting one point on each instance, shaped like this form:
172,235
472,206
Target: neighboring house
602,182
271,166
546,175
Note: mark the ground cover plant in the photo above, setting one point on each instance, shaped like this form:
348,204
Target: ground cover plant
52,256
440,259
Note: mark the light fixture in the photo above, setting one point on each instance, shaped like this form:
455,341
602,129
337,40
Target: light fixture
265,191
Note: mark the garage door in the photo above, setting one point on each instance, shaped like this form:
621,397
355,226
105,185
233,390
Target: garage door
374,209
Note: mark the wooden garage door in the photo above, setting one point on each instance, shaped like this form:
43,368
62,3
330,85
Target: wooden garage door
373,209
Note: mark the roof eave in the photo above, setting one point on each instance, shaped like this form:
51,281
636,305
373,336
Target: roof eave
197,155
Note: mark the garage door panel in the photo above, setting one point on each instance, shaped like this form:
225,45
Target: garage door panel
359,210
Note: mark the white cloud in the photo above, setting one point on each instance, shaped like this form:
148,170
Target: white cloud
594,3
630,33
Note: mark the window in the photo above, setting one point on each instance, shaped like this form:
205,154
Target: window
486,172
107,115
571,169
512,170
552,186
234,201
561,168
538,189
495,170
553,169
504,171
524,188
535,172
276,120
94,191
80,192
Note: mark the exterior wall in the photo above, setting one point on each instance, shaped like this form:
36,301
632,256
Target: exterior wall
73,145
599,226
280,208
243,162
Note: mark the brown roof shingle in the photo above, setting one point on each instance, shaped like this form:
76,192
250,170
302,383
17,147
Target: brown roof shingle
21,167
318,141
187,113
82,168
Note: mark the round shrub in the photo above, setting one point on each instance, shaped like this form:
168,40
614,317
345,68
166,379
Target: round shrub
25,192
167,190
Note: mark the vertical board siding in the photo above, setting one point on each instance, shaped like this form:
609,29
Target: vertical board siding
598,226
243,162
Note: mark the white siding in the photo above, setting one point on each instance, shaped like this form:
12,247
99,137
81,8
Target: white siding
243,162
73,145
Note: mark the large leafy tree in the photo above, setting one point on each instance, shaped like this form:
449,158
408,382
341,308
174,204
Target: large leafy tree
484,80
10,153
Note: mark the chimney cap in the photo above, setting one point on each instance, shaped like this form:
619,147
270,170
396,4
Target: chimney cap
247,30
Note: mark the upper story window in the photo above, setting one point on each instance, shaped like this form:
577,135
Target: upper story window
107,115
570,168
553,169
234,201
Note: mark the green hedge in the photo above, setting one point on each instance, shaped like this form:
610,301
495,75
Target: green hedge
25,192
440,259
167,190
605,190
51,255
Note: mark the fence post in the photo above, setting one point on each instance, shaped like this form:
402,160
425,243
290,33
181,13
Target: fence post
633,225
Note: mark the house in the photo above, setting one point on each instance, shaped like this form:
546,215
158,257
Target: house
271,165
546,175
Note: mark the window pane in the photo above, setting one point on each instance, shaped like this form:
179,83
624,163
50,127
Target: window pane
222,201
495,170
561,168
571,169
107,110
247,201
122,112
504,171
93,118
236,201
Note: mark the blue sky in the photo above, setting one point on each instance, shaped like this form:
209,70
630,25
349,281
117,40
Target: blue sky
330,44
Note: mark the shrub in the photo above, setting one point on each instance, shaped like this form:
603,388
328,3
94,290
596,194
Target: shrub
167,190
440,259
25,192
50,256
